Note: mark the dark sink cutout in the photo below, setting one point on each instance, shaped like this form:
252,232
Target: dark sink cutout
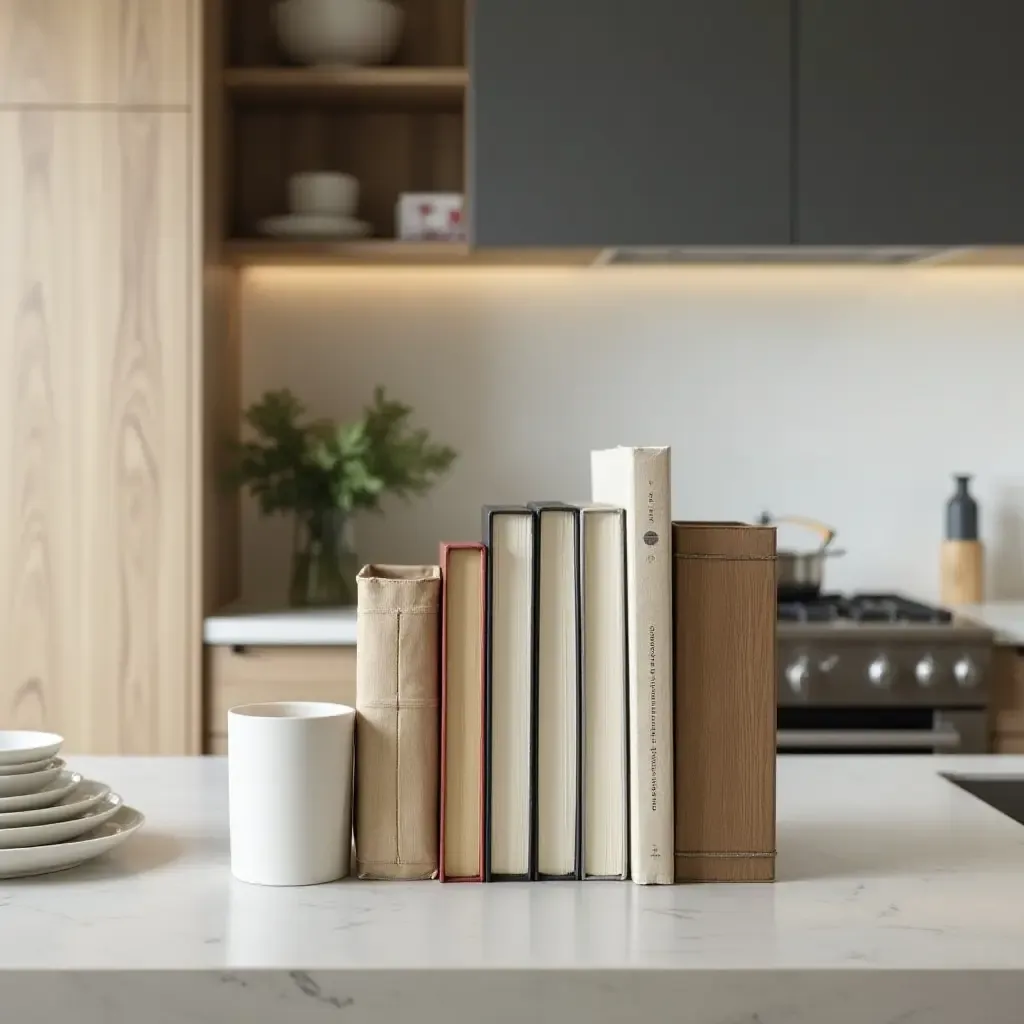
1005,795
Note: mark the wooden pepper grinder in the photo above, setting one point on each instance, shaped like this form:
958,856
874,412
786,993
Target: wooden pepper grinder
963,555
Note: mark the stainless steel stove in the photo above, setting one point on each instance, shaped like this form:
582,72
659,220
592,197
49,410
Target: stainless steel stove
878,673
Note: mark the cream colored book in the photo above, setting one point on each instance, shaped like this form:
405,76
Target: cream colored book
463,706
605,692
558,810
639,481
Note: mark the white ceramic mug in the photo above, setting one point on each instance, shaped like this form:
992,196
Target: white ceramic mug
323,194
290,792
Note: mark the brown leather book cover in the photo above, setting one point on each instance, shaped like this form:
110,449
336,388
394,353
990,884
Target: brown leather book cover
447,624
725,701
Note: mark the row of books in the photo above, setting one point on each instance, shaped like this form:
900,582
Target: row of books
556,685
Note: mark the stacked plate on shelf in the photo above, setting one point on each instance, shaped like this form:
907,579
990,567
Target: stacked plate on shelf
51,818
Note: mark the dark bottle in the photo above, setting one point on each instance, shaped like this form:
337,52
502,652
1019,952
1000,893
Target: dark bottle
962,512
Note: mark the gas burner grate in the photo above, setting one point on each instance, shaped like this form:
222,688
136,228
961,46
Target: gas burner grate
893,608
818,610
866,608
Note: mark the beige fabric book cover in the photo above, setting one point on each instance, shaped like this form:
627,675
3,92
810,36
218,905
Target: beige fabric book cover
397,724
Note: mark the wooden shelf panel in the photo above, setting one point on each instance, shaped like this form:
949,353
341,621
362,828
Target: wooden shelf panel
255,251
385,85
392,252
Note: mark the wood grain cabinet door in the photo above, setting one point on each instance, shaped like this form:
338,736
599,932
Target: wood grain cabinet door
909,122
95,473
42,307
102,52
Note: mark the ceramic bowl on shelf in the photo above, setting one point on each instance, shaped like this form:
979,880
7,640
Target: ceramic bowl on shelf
31,782
18,746
323,194
338,32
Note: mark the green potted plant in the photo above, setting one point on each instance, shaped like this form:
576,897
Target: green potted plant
322,473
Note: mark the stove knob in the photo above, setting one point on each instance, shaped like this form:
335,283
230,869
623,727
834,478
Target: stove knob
966,673
798,675
926,671
881,672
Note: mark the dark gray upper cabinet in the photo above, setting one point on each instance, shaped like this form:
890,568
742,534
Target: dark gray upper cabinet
606,122
910,126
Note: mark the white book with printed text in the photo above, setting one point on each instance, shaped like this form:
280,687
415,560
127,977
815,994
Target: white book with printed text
639,481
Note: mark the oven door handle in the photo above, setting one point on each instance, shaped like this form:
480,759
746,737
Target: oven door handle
945,737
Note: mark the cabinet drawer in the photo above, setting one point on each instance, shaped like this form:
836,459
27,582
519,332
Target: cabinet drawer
1008,743
253,675
1006,695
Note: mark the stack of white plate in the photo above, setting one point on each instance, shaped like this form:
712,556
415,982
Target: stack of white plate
50,817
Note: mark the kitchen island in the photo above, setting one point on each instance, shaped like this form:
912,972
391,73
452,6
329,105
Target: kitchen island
900,898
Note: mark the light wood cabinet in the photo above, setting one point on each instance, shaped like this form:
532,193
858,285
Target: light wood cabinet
100,403
253,675
1006,702
95,471
96,52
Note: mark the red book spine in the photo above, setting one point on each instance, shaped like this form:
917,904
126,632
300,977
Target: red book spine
446,549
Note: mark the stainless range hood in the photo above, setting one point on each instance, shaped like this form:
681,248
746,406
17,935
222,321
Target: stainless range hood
788,255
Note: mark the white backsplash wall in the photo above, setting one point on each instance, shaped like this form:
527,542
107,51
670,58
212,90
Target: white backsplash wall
849,395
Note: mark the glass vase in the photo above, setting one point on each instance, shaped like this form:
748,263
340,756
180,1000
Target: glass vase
324,562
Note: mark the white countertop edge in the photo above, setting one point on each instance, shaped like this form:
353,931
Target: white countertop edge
1005,618
542,996
292,628
238,626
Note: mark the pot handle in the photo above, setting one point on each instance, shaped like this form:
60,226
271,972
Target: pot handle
826,533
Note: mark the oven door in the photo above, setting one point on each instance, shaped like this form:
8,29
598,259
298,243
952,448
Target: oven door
881,731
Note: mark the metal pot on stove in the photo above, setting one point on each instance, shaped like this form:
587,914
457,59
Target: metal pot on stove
801,574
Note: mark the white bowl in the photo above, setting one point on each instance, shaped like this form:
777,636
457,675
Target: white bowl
31,782
19,747
338,32
61,786
72,805
323,193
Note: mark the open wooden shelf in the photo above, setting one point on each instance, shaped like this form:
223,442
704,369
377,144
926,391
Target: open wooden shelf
397,128
250,252
433,86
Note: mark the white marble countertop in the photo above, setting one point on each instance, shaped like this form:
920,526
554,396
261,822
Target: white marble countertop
881,861
883,864
252,625
1005,617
